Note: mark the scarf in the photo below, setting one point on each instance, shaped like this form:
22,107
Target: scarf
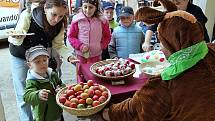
184,59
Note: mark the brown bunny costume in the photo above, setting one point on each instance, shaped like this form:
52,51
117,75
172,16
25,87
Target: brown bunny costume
188,97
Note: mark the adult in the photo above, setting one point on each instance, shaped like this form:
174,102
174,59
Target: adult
184,5
47,22
185,90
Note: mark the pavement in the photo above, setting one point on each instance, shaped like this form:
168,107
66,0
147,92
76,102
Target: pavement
7,90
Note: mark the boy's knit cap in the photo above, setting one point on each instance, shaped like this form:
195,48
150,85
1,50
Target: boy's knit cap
34,52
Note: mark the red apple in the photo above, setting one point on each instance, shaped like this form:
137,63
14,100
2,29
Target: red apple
102,99
102,88
90,92
67,103
70,92
105,94
95,103
72,96
70,87
62,100
81,101
95,97
78,97
80,92
96,87
98,93
90,83
73,105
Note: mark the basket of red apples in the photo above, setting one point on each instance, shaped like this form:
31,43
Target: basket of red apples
83,99
113,69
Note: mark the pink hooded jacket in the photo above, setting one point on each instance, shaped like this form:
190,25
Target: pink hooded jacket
93,32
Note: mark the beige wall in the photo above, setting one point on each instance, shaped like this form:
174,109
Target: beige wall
2,114
209,10
133,4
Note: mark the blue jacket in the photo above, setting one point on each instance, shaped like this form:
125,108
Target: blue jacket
125,41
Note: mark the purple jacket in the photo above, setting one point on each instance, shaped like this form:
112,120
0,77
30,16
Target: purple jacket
93,32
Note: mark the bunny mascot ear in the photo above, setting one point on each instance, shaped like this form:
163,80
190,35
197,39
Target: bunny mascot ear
154,15
149,15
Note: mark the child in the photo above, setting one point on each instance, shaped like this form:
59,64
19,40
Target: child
89,33
41,86
150,38
126,38
108,10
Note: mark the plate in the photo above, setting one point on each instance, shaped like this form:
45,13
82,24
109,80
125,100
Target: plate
153,68
112,78
19,33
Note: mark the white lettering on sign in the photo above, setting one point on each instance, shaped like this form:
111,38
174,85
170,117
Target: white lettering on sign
9,18
12,1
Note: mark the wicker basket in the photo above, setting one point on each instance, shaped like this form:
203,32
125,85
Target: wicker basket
83,111
112,78
153,65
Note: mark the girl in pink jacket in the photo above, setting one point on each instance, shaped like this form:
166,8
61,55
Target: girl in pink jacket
89,33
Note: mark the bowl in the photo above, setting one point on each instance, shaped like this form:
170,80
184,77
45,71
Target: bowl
112,78
82,111
153,68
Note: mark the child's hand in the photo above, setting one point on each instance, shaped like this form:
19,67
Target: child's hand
44,94
84,48
73,60
105,114
146,47
58,88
